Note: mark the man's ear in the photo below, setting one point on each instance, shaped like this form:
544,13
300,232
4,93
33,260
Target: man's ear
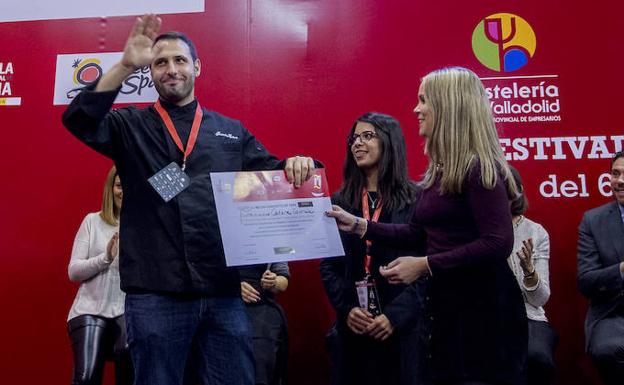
197,66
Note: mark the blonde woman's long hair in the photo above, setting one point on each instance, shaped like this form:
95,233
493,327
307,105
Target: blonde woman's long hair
463,132
109,214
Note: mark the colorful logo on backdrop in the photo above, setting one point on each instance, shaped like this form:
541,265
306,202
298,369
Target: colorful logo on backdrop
87,71
76,71
503,42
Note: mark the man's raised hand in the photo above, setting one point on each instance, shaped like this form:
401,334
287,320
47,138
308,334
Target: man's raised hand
138,50
138,53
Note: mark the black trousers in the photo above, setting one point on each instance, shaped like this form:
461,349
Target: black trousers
269,341
361,360
606,348
466,382
542,343
541,364
96,340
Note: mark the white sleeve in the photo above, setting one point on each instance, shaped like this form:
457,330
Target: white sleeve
538,295
81,267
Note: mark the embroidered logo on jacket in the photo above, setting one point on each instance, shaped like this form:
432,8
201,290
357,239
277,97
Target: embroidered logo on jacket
230,136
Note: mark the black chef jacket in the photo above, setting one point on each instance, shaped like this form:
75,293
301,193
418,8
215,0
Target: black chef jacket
168,247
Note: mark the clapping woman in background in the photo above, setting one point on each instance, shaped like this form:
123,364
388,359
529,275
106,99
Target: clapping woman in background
529,262
95,323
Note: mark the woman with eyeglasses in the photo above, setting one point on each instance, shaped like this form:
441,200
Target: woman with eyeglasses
372,332
478,323
96,324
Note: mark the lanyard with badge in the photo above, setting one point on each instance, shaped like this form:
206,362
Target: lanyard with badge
366,288
172,180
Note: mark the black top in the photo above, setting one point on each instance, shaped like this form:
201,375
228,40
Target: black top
400,303
172,247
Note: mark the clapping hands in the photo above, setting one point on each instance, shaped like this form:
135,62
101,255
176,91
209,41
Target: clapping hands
525,255
112,248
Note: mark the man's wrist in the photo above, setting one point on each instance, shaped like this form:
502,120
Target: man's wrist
114,77
127,68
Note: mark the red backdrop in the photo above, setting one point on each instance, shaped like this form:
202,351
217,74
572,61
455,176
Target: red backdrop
297,73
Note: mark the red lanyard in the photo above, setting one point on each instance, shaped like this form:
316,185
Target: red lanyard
190,143
366,214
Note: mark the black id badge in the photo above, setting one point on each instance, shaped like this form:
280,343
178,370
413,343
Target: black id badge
170,181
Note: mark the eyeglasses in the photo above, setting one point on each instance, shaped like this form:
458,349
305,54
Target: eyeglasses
364,137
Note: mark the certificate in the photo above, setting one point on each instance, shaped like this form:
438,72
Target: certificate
264,219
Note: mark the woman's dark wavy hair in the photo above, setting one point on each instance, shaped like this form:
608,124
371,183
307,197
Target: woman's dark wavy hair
519,205
393,185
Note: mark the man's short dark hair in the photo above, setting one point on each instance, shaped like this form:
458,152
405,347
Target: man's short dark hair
174,35
618,155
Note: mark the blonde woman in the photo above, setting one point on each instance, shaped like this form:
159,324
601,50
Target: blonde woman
477,320
95,323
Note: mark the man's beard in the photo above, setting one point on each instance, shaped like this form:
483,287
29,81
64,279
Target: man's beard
176,94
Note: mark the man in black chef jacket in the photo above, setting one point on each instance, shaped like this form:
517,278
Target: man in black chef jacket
179,292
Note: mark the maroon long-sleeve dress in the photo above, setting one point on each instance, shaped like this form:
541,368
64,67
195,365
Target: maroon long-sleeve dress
478,327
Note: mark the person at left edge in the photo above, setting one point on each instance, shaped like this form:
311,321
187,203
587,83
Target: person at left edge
179,291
